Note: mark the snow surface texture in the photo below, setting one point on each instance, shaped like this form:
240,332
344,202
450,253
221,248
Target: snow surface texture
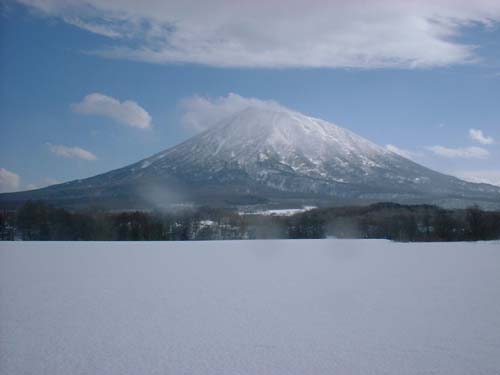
255,307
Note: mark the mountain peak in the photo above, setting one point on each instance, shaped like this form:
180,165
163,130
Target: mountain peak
286,132
272,153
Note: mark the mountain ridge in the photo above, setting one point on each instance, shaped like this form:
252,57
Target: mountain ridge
268,155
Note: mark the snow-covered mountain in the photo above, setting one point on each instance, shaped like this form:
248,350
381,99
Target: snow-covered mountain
270,155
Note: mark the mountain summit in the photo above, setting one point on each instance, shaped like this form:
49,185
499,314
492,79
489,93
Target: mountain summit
268,155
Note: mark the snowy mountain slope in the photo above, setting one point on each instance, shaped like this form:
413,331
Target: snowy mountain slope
262,154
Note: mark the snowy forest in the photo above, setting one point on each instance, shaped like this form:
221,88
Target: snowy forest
39,221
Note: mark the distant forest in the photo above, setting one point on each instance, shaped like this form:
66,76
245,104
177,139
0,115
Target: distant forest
41,222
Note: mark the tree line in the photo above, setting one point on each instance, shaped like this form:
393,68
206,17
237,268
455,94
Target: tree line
36,220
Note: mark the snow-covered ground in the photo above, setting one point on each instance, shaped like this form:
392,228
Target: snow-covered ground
254,307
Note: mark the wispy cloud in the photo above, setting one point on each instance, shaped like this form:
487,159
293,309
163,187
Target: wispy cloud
463,153
402,152
9,181
71,152
201,113
127,112
270,34
93,27
478,136
485,176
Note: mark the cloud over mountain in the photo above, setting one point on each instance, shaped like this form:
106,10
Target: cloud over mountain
201,113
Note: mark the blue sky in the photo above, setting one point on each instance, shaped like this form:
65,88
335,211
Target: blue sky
141,73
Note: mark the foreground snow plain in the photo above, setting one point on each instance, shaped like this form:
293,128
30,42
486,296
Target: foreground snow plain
250,307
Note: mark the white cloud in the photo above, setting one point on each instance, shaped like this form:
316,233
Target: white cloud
486,176
93,27
9,181
477,135
295,33
71,152
402,152
128,112
463,153
200,113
